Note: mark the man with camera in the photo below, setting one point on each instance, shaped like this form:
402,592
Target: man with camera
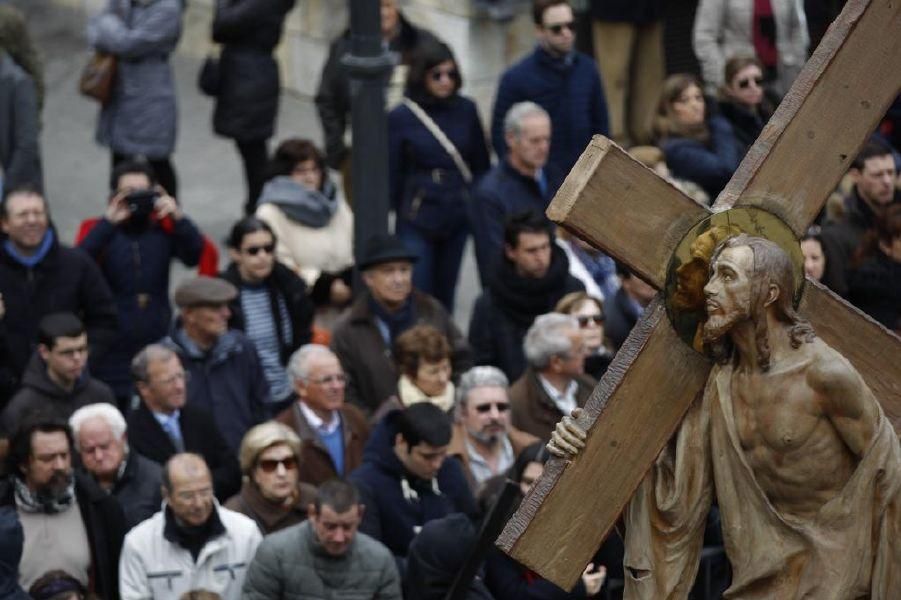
134,243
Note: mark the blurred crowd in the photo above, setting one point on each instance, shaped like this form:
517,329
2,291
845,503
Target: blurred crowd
310,421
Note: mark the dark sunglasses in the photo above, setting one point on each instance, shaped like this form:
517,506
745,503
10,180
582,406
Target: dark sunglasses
269,465
501,407
746,83
254,250
584,320
441,74
557,28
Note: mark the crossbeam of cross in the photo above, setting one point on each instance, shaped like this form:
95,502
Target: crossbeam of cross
620,206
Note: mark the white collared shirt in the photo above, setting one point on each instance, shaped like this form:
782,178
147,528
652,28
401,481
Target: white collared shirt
318,424
566,401
479,467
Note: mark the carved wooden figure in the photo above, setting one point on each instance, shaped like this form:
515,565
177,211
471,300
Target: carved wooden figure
657,377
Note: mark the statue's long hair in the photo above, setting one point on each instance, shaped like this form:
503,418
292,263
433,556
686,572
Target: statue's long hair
771,265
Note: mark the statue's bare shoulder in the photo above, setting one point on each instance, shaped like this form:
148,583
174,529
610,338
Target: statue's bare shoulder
845,398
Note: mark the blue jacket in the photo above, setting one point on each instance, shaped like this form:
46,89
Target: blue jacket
568,89
390,516
140,117
425,185
136,264
502,192
10,554
227,381
709,165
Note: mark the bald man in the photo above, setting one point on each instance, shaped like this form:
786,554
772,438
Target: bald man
192,543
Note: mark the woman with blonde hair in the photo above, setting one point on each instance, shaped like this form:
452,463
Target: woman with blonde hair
272,494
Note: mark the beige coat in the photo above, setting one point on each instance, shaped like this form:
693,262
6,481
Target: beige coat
309,251
723,29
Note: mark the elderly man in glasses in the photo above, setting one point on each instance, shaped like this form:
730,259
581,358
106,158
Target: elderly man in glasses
332,432
561,80
483,438
192,543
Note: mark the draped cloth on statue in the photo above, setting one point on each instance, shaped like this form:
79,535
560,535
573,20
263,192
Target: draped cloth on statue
847,550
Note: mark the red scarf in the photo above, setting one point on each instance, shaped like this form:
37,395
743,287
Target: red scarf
764,26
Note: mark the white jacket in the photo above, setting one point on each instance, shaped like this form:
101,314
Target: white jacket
152,567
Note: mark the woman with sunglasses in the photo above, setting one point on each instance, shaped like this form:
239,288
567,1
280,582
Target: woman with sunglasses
436,152
272,306
272,494
311,219
698,146
743,100
589,311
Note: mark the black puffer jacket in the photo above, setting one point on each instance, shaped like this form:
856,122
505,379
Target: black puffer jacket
248,97
10,554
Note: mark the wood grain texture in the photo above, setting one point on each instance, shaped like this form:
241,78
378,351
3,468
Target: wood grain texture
833,106
622,207
563,521
873,350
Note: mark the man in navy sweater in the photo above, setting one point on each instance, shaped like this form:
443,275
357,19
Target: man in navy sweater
562,81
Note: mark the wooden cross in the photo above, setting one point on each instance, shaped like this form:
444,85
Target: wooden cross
618,205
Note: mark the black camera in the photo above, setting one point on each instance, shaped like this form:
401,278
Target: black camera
140,204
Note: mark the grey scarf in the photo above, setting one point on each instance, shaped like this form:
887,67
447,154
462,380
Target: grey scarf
308,207
36,502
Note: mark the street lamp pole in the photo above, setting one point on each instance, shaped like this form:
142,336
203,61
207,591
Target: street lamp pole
368,64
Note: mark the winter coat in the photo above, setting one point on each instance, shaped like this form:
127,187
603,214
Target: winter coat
247,102
136,264
268,516
569,89
316,464
281,282
20,151
502,192
842,238
504,312
639,12
311,251
40,393
227,381
398,503
746,124
366,358
333,96
200,435
66,280
155,567
710,165
508,580
141,116
105,525
426,188
292,565
620,316
724,28
875,288
532,411
11,554
437,555
139,489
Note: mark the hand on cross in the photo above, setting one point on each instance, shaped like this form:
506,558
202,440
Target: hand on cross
568,438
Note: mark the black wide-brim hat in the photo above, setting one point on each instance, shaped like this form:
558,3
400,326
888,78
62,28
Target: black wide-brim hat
382,248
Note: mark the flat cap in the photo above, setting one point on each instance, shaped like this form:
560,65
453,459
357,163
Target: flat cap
382,248
204,290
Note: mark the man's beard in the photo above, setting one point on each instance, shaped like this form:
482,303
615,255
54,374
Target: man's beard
56,487
485,437
718,326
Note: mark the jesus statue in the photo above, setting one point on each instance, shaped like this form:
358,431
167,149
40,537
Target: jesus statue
787,437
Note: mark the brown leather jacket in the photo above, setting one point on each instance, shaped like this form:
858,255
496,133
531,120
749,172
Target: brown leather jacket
533,411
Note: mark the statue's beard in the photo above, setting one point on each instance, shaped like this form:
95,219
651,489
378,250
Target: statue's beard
719,325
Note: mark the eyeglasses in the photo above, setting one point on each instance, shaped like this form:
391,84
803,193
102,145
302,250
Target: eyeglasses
439,74
501,407
254,250
585,320
203,494
183,376
557,28
340,378
269,465
746,83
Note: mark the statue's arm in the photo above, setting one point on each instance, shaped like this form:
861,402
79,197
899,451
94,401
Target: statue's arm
846,401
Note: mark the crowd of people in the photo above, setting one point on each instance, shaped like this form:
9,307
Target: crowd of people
269,430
